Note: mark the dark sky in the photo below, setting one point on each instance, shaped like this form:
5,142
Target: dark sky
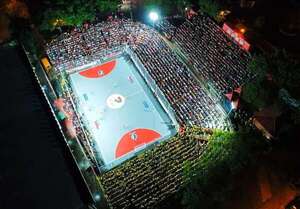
35,171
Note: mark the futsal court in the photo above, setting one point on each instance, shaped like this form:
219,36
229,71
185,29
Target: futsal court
120,110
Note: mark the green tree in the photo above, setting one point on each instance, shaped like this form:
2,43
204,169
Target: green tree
286,71
259,95
59,13
227,153
258,66
105,6
211,7
256,92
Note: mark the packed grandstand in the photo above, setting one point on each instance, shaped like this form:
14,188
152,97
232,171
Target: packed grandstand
151,177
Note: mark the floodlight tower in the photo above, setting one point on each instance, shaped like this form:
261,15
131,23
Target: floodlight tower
153,17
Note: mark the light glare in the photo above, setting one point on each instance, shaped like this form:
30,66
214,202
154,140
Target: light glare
153,16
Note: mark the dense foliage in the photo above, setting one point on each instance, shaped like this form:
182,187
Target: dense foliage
255,92
211,7
211,181
285,71
66,13
57,13
272,73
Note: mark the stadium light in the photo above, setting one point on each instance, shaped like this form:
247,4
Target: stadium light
232,106
97,196
153,16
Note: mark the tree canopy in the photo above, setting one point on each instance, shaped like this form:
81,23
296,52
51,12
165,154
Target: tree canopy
227,153
277,71
257,92
57,13
106,6
259,66
63,13
211,7
285,71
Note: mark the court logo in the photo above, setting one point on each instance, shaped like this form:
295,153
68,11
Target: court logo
115,101
133,136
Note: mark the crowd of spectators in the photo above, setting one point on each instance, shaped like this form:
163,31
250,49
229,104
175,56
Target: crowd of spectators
157,173
154,175
93,42
216,58
76,123
189,100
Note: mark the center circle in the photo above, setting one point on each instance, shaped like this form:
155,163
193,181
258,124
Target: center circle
115,101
